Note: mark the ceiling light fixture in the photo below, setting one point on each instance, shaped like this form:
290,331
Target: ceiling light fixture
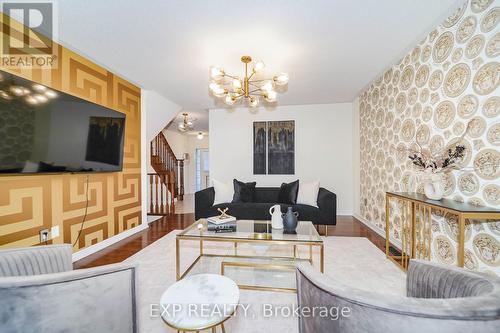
233,89
200,136
186,124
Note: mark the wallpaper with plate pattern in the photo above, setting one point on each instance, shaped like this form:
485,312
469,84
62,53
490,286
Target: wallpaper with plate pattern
31,203
450,78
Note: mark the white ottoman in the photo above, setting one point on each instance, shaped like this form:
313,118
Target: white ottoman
199,302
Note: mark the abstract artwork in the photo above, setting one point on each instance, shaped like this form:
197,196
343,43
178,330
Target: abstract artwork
274,148
259,148
281,147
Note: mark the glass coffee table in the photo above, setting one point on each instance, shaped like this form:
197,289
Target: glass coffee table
255,256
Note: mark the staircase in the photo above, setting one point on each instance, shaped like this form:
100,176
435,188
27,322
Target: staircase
166,184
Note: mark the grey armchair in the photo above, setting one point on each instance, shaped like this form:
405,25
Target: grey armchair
40,292
439,299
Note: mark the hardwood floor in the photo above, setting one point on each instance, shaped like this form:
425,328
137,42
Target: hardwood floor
352,227
346,226
133,244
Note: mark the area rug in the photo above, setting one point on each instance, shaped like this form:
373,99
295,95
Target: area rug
354,261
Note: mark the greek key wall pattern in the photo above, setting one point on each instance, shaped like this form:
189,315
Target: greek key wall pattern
30,203
450,78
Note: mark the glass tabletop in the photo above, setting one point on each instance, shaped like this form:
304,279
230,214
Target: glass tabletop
254,230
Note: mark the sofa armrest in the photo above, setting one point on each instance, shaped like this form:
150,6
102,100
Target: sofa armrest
425,279
203,200
374,311
36,260
99,299
327,203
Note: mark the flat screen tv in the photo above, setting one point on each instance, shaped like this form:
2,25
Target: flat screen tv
47,131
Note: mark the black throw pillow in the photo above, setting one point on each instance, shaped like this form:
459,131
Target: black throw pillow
244,192
288,193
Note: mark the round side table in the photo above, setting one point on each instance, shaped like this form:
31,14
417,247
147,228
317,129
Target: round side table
200,302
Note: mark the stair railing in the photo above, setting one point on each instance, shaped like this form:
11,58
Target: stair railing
168,177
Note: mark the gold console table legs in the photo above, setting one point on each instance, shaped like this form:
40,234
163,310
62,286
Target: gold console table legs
416,225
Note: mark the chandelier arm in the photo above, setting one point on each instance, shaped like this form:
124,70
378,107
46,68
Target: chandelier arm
253,72
253,84
253,91
231,77
262,80
258,94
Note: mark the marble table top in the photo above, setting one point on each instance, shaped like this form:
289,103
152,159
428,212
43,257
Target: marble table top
199,301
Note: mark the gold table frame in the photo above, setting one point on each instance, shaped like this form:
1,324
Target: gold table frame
414,202
258,238
197,330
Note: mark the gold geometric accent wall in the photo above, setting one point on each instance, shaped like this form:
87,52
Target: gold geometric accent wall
450,78
30,203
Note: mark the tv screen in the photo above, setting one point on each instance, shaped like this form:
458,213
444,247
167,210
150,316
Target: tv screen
47,131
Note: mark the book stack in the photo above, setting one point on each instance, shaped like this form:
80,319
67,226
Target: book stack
224,223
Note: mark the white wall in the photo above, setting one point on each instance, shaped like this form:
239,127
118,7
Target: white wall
160,112
177,141
323,146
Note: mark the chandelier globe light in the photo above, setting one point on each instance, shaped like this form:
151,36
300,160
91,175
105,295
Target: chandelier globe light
231,89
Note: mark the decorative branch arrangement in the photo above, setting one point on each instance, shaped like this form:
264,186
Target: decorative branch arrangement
442,163
444,160
432,166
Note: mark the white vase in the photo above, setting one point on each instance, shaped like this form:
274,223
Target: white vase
434,186
276,218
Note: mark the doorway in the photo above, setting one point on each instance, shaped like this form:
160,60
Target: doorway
202,162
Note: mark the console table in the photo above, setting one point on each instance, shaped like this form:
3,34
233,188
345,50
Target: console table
416,224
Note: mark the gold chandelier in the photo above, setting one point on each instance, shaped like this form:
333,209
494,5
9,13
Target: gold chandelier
233,89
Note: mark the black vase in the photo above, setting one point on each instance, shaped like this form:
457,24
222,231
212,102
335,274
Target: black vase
290,220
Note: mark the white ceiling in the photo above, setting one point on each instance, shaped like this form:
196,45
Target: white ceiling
200,121
331,49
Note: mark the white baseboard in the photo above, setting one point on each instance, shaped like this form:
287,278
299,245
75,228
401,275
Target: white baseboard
152,218
377,230
369,225
107,242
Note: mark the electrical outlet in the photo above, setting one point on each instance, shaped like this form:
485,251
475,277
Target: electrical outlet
44,235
